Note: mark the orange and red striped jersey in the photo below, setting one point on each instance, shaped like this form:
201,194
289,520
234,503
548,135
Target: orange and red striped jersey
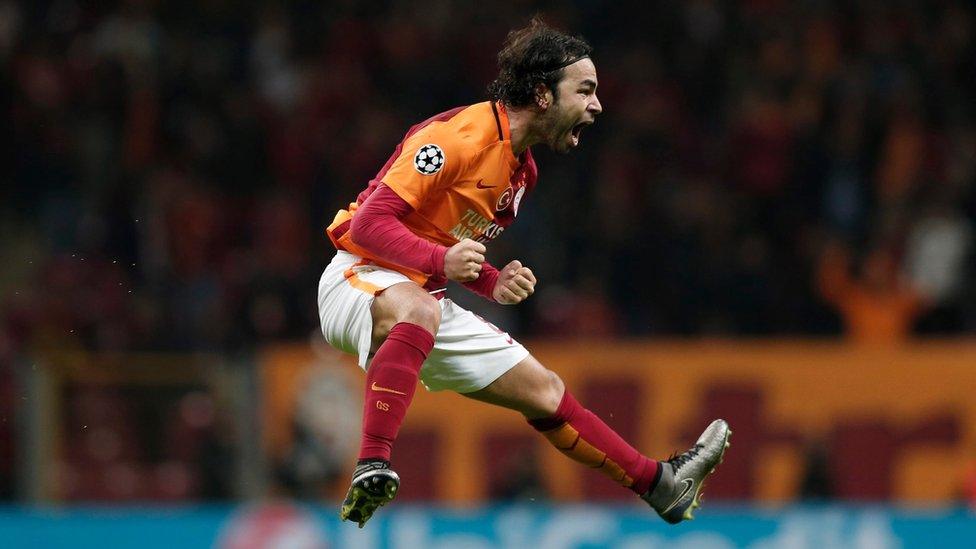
459,173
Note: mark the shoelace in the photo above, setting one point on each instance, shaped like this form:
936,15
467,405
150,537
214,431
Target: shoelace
677,460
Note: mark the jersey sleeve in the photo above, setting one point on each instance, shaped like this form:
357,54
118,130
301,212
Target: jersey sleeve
484,285
377,228
429,160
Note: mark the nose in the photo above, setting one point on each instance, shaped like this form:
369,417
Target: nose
595,107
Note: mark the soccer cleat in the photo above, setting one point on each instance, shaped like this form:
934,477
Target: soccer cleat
374,484
678,491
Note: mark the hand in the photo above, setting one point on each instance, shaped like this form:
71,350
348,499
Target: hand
462,262
515,284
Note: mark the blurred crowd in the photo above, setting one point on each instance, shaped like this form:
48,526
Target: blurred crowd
762,167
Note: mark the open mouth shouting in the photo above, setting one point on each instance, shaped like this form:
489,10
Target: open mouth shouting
577,131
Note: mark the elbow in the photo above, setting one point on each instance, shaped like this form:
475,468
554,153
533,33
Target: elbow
359,229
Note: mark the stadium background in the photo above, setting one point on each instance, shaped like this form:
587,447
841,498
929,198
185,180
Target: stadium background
772,222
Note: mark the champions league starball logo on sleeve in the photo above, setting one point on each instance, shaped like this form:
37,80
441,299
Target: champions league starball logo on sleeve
429,159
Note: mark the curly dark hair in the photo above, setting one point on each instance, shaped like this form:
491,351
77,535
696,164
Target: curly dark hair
536,54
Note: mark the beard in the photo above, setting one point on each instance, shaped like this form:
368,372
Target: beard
556,127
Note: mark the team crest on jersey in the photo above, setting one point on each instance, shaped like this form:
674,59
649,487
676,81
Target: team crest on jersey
504,200
429,159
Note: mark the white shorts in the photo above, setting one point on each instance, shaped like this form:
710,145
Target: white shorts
469,353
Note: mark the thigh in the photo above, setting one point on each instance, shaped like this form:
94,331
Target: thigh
346,293
528,388
469,353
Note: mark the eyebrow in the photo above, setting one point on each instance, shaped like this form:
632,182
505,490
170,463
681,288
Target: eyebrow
588,82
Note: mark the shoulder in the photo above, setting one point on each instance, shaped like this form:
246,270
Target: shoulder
458,133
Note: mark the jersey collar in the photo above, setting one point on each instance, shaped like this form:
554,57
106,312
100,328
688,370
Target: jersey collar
504,131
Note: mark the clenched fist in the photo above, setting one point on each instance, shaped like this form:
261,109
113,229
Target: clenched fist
515,284
462,262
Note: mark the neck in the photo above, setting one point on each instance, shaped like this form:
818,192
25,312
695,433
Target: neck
520,126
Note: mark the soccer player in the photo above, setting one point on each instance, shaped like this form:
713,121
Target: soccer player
455,182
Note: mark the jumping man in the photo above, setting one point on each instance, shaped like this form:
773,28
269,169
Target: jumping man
454,183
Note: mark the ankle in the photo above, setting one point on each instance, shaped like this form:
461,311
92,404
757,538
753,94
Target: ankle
658,475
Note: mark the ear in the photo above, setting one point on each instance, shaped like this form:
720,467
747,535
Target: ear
543,97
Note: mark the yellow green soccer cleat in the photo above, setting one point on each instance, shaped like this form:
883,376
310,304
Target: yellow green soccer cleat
679,490
374,484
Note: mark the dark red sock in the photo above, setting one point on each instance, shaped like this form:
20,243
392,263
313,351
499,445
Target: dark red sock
581,435
390,383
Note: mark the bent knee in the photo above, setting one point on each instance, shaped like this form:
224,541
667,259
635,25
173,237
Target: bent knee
425,313
404,304
545,395
552,394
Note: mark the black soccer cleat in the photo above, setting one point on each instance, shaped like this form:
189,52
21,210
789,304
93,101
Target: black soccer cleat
374,484
678,491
